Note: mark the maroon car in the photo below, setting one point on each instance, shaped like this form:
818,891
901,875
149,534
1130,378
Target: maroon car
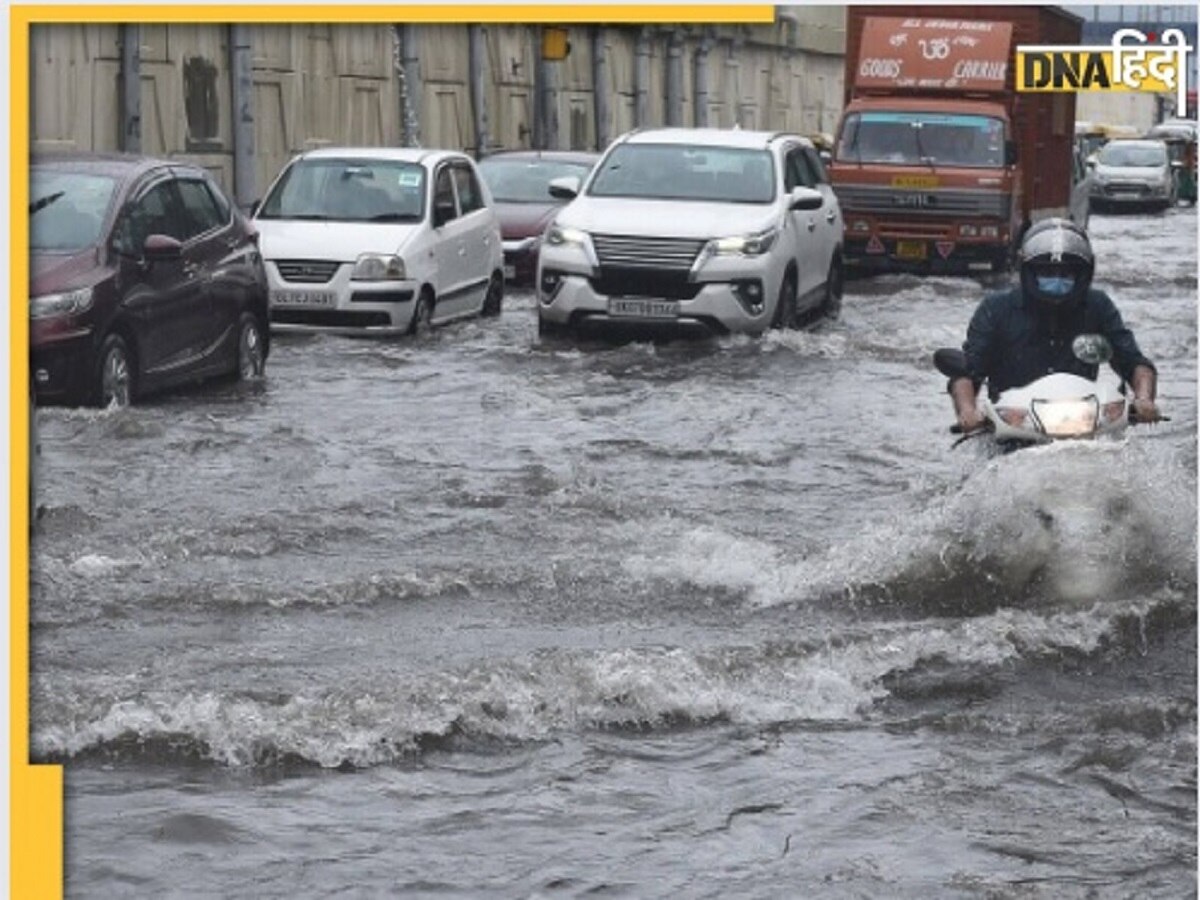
142,275
520,184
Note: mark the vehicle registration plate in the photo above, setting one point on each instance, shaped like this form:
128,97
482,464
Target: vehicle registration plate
644,308
303,298
510,271
911,249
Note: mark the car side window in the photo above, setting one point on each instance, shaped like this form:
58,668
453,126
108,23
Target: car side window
443,194
470,198
154,212
813,158
201,213
798,174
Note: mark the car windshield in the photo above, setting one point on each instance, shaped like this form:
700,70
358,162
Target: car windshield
1133,155
67,209
527,180
922,139
348,190
682,172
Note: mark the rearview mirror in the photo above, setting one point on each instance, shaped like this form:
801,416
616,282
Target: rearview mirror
565,187
161,247
805,199
1010,153
1092,349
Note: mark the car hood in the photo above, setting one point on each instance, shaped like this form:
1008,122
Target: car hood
1132,173
666,218
522,220
51,273
340,241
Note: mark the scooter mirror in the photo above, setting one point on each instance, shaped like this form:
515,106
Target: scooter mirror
1092,349
951,363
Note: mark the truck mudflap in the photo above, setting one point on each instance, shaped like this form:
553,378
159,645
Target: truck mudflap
924,255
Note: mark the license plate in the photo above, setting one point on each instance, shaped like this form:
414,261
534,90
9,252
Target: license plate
303,298
642,308
911,249
510,271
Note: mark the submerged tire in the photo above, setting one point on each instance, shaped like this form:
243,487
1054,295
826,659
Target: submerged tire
785,304
494,299
113,383
251,347
422,320
831,305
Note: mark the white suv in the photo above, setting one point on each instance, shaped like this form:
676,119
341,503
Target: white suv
701,228
379,240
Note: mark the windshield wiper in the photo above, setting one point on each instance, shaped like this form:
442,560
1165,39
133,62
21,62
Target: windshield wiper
43,202
395,217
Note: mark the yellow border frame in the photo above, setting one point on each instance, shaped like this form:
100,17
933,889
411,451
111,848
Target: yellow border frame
36,791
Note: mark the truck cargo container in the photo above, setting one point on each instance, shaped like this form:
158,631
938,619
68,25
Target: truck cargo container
939,164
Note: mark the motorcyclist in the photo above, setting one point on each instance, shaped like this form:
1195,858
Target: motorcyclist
1019,335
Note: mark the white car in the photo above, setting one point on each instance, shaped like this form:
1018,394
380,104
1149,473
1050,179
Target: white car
379,240
702,229
1132,173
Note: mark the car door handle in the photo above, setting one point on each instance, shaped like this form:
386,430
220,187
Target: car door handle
190,269
812,224
830,216
462,251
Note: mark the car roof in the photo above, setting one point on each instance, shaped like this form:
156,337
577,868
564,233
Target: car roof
396,154
712,137
583,157
120,165
1139,142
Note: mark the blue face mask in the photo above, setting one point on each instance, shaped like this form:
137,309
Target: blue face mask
1055,285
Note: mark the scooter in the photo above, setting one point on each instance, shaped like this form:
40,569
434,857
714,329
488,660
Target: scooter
1055,407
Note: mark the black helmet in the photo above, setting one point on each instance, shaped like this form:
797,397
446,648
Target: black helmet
1056,263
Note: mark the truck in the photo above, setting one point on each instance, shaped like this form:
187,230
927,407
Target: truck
939,163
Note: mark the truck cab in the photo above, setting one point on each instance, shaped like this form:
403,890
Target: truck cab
938,163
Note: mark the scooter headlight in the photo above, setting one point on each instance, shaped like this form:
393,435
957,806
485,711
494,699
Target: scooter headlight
1067,418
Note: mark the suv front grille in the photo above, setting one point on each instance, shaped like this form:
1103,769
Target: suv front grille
624,251
306,271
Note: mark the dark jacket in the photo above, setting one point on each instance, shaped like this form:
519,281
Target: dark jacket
1013,340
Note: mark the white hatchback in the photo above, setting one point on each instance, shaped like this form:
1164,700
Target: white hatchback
702,229
379,240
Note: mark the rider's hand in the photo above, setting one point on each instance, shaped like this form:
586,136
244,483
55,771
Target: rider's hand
1144,411
970,420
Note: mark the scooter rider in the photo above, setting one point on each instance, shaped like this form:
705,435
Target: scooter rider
1019,335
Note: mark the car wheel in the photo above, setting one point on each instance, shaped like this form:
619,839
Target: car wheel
114,373
252,356
494,298
422,319
785,306
831,306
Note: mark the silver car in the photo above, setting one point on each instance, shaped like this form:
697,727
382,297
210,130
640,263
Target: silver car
1132,173
700,229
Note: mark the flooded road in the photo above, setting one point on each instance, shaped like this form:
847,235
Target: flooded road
481,616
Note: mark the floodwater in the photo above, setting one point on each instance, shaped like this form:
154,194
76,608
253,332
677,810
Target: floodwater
476,616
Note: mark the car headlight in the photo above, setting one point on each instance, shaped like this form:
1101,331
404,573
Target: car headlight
744,245
378,267
560,235
69,303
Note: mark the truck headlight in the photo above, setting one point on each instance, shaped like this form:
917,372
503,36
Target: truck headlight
745,244
68,303
378,267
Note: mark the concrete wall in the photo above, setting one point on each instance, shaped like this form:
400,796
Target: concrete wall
316,85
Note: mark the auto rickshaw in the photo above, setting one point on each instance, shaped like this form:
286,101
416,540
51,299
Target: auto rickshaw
1180,139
